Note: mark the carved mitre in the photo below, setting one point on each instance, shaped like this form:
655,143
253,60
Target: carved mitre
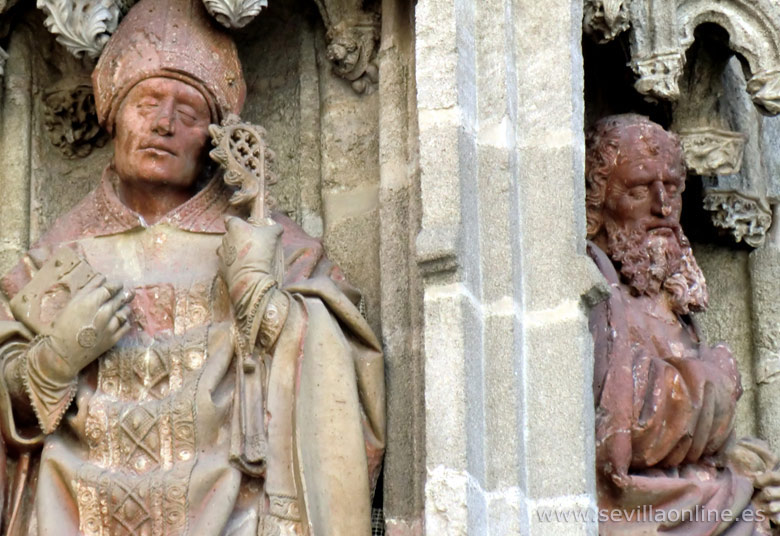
174,39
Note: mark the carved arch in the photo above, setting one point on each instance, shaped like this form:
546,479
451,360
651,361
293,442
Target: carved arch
663,30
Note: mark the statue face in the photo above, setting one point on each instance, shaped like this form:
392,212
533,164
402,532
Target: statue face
161,133
645,188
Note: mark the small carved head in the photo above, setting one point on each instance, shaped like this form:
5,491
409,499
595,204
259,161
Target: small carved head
605,19
344,52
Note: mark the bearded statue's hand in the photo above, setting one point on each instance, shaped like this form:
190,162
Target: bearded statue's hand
91,323
247,257
768,498
752,458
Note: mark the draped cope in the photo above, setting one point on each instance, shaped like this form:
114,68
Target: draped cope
169,432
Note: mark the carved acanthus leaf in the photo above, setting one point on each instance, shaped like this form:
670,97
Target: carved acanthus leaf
235,13
81,26
605,19
712,151
745,218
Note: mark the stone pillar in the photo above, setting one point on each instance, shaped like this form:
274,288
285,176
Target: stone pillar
508,358
765,278
557,412
399,215
15,146
350,182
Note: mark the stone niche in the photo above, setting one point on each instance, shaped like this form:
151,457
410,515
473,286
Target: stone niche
324,127
707,70
324,134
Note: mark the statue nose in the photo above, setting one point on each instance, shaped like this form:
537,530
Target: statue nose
661,203
163,122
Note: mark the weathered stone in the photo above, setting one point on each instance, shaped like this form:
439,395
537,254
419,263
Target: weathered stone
660,37
436,56
15,140
728,319
503,349
765,276
452,323
555,341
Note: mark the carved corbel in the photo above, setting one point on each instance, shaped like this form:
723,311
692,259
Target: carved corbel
747,219
658,75
736,190
710,145
235,13
353,37
71,120
712,151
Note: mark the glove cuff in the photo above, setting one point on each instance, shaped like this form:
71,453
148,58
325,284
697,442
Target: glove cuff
50,396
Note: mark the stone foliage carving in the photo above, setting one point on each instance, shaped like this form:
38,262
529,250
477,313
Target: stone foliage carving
659,75
71,119
235,13
82,26
353,36
712,151
605,19
747,219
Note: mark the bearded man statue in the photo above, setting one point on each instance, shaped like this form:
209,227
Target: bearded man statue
667,457
157,375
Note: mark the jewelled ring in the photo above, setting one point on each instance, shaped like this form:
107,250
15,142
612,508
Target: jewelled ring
87,337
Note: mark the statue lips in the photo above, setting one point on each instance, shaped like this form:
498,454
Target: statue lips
158,149
659,225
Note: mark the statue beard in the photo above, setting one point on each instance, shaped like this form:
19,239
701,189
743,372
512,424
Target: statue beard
656,260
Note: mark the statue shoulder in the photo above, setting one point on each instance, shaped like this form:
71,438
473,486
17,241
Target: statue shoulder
305,258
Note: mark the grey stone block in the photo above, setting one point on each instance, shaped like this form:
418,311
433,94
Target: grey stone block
560,451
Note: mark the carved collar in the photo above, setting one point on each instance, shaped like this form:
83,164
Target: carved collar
203,213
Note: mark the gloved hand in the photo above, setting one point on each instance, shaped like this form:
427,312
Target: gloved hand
91,323
247,256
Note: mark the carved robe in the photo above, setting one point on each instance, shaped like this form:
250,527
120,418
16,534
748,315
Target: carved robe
171,432
665,410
